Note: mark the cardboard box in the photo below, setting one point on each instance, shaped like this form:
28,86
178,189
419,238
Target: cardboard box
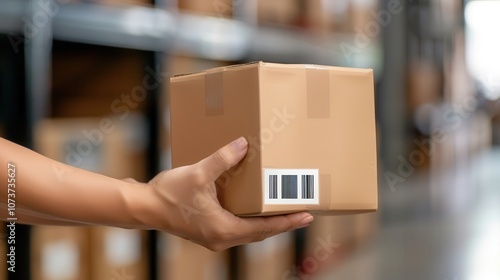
93,81
107,145
112,2
118,253
280,12
60,253
271,258
181,259
3,250
216,8
311,133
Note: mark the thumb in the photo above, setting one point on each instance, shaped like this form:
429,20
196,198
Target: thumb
225,158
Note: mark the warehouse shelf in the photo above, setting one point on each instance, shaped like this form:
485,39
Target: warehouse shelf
154,29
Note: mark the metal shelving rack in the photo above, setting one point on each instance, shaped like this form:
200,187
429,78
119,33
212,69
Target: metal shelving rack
160,32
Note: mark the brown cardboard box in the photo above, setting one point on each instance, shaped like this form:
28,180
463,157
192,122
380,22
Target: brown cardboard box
3,251
112,2
106,145
268,259
60,253
92,81
217,8
182,259
282,12
310,128
118,253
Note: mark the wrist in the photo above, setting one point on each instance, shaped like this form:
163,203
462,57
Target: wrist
136,197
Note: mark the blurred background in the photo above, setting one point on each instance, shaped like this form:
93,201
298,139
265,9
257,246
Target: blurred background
67,66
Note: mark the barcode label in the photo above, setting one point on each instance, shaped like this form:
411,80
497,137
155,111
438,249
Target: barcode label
291,186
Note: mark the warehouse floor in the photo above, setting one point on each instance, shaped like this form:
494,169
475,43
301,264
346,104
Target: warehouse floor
429,232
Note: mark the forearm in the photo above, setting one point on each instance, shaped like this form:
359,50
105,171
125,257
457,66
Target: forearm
66,193
35,219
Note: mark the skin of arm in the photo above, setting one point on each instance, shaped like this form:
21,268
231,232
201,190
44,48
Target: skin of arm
52,193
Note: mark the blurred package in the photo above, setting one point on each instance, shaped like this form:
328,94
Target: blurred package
267,259
3,250
310,128
278,12
112,2
60,253
118,253
217,8
181,259
329,240
90,81
496,129
106,145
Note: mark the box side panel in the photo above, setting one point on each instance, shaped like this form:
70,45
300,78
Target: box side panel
285,135
337,139
354,178
209,111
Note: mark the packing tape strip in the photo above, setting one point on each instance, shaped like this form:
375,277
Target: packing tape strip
214,93
318,92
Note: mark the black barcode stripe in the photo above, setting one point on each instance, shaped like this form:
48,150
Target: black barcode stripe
304,186
289,186
307,186
273,186
310,191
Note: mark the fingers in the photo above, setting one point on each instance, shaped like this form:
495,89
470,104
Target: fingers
225,158
257,229
237,231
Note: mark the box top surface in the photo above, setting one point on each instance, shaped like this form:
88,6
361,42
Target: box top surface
261,64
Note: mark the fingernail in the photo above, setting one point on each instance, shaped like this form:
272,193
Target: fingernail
240,144
306,221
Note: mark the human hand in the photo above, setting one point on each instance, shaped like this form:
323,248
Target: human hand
183,201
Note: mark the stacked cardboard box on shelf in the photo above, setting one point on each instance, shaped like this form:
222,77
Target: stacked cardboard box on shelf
181,259
320,16
117,253
278,12
330,240
90,81
109,146
496,129
216,8
112,2
3,249
3,241
272,258
60,253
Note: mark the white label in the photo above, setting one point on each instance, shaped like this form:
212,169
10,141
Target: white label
291,186
122,246
60,260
